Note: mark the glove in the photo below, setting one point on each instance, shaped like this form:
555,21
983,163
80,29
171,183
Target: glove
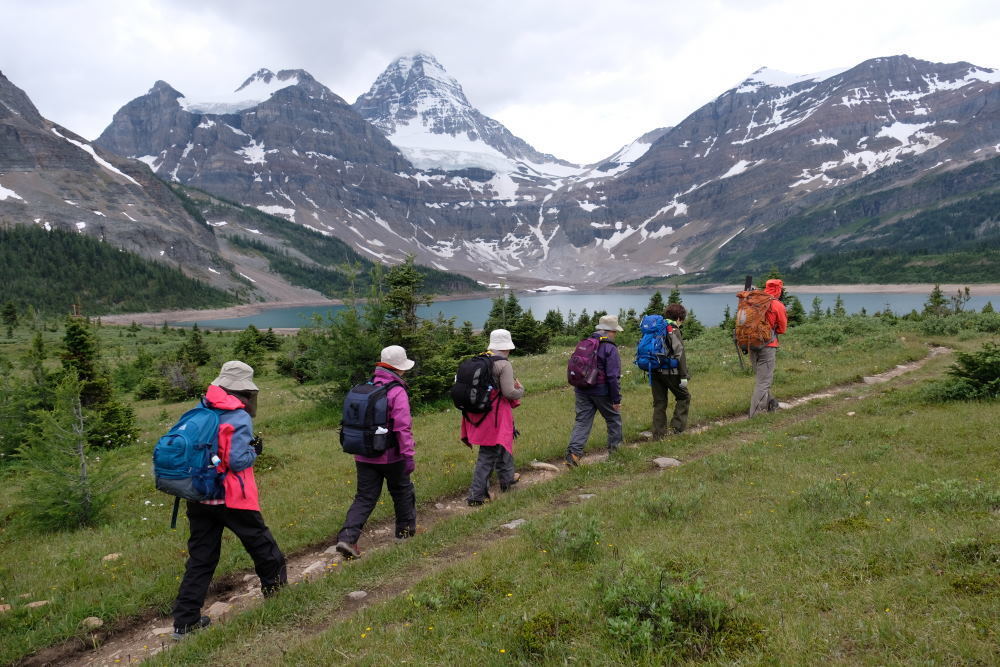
409,466
684,383
257,443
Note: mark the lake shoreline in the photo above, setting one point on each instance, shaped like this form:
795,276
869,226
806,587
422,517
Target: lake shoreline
248,309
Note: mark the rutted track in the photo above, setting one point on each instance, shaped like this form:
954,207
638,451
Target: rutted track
149,635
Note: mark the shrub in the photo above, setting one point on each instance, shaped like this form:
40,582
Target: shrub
974,376
571,538
647,613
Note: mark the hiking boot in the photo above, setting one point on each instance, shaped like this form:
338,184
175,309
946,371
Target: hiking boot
513,481
348,551
773,405
572,460
180,632
475,503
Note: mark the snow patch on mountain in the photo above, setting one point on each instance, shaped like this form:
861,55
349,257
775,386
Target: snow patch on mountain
281,211
97,158
259,87
765,76
6,193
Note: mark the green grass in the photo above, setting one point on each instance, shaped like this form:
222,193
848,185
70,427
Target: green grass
854,539
307,483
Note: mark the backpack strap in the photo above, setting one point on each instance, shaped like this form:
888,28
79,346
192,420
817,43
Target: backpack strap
173,515
388,386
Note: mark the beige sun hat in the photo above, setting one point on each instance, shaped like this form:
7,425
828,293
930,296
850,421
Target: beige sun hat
500,340
237,376
395,356
609,323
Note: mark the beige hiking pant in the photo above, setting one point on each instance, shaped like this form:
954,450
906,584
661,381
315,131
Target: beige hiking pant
763,366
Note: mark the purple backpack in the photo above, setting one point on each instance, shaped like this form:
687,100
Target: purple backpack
583,370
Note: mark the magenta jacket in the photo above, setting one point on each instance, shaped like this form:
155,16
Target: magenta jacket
497,428
235,433
400,421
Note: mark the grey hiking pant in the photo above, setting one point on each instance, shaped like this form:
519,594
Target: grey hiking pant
587,406
661,384
763,367
489,458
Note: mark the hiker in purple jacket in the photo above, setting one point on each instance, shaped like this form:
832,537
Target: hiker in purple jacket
604,397
394,467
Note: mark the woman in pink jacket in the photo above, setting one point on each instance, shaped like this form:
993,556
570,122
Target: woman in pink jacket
494,433
394,466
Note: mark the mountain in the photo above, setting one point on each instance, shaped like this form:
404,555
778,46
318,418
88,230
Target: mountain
423,111
431,176
778,145
53,178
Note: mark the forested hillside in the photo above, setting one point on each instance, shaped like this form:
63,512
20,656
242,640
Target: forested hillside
51,270
902,234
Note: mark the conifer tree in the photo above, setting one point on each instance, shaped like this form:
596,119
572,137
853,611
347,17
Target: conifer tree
655,305
936,304
816,312
838,308
60,488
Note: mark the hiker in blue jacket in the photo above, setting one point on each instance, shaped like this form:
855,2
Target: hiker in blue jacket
604,397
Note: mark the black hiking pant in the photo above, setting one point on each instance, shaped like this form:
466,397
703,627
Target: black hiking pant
205,545
404,499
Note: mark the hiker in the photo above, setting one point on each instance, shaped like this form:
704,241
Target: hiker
604,396
233,393
394,466
763,359
673,380
494,431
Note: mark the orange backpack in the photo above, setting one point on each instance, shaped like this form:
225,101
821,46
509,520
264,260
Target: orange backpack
752,329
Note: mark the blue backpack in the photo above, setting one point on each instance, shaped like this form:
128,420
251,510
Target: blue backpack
182,458
364,424
654,351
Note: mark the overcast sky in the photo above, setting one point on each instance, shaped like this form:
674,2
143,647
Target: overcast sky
575,78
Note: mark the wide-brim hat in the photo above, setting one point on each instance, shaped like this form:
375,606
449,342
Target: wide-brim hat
500,340
609,323
395,356
237,376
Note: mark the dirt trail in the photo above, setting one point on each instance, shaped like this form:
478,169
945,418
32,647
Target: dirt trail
150,635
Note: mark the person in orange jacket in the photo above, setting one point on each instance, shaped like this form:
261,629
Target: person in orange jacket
763,360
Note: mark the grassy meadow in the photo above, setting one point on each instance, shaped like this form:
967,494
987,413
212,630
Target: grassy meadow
860,528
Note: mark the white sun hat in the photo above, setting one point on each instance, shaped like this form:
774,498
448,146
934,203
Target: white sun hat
609,323
500,340
237,376
395,356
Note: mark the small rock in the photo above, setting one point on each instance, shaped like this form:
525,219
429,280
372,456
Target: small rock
513,525
801,437
218,610
330,551
91,623
783,406
248,577
439,506
111,557
357,595
540,465
586,496
666,462
851,414
646,435
314,569
24,596
166,630
4,607
37,603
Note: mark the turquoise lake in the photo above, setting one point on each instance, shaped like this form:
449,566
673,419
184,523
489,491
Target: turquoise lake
708,307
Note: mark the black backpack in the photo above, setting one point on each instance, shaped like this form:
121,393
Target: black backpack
364,425
472,391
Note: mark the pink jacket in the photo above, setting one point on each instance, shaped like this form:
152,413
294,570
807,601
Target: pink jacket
496,428
400,421
235,434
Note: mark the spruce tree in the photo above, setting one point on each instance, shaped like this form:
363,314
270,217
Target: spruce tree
816,312
936,304
655,305
838,308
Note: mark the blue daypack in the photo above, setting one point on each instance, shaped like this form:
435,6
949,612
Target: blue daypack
654,351
182,458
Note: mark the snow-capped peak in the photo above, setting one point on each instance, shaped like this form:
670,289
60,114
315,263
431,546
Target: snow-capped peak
258,87
423,111
765,76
